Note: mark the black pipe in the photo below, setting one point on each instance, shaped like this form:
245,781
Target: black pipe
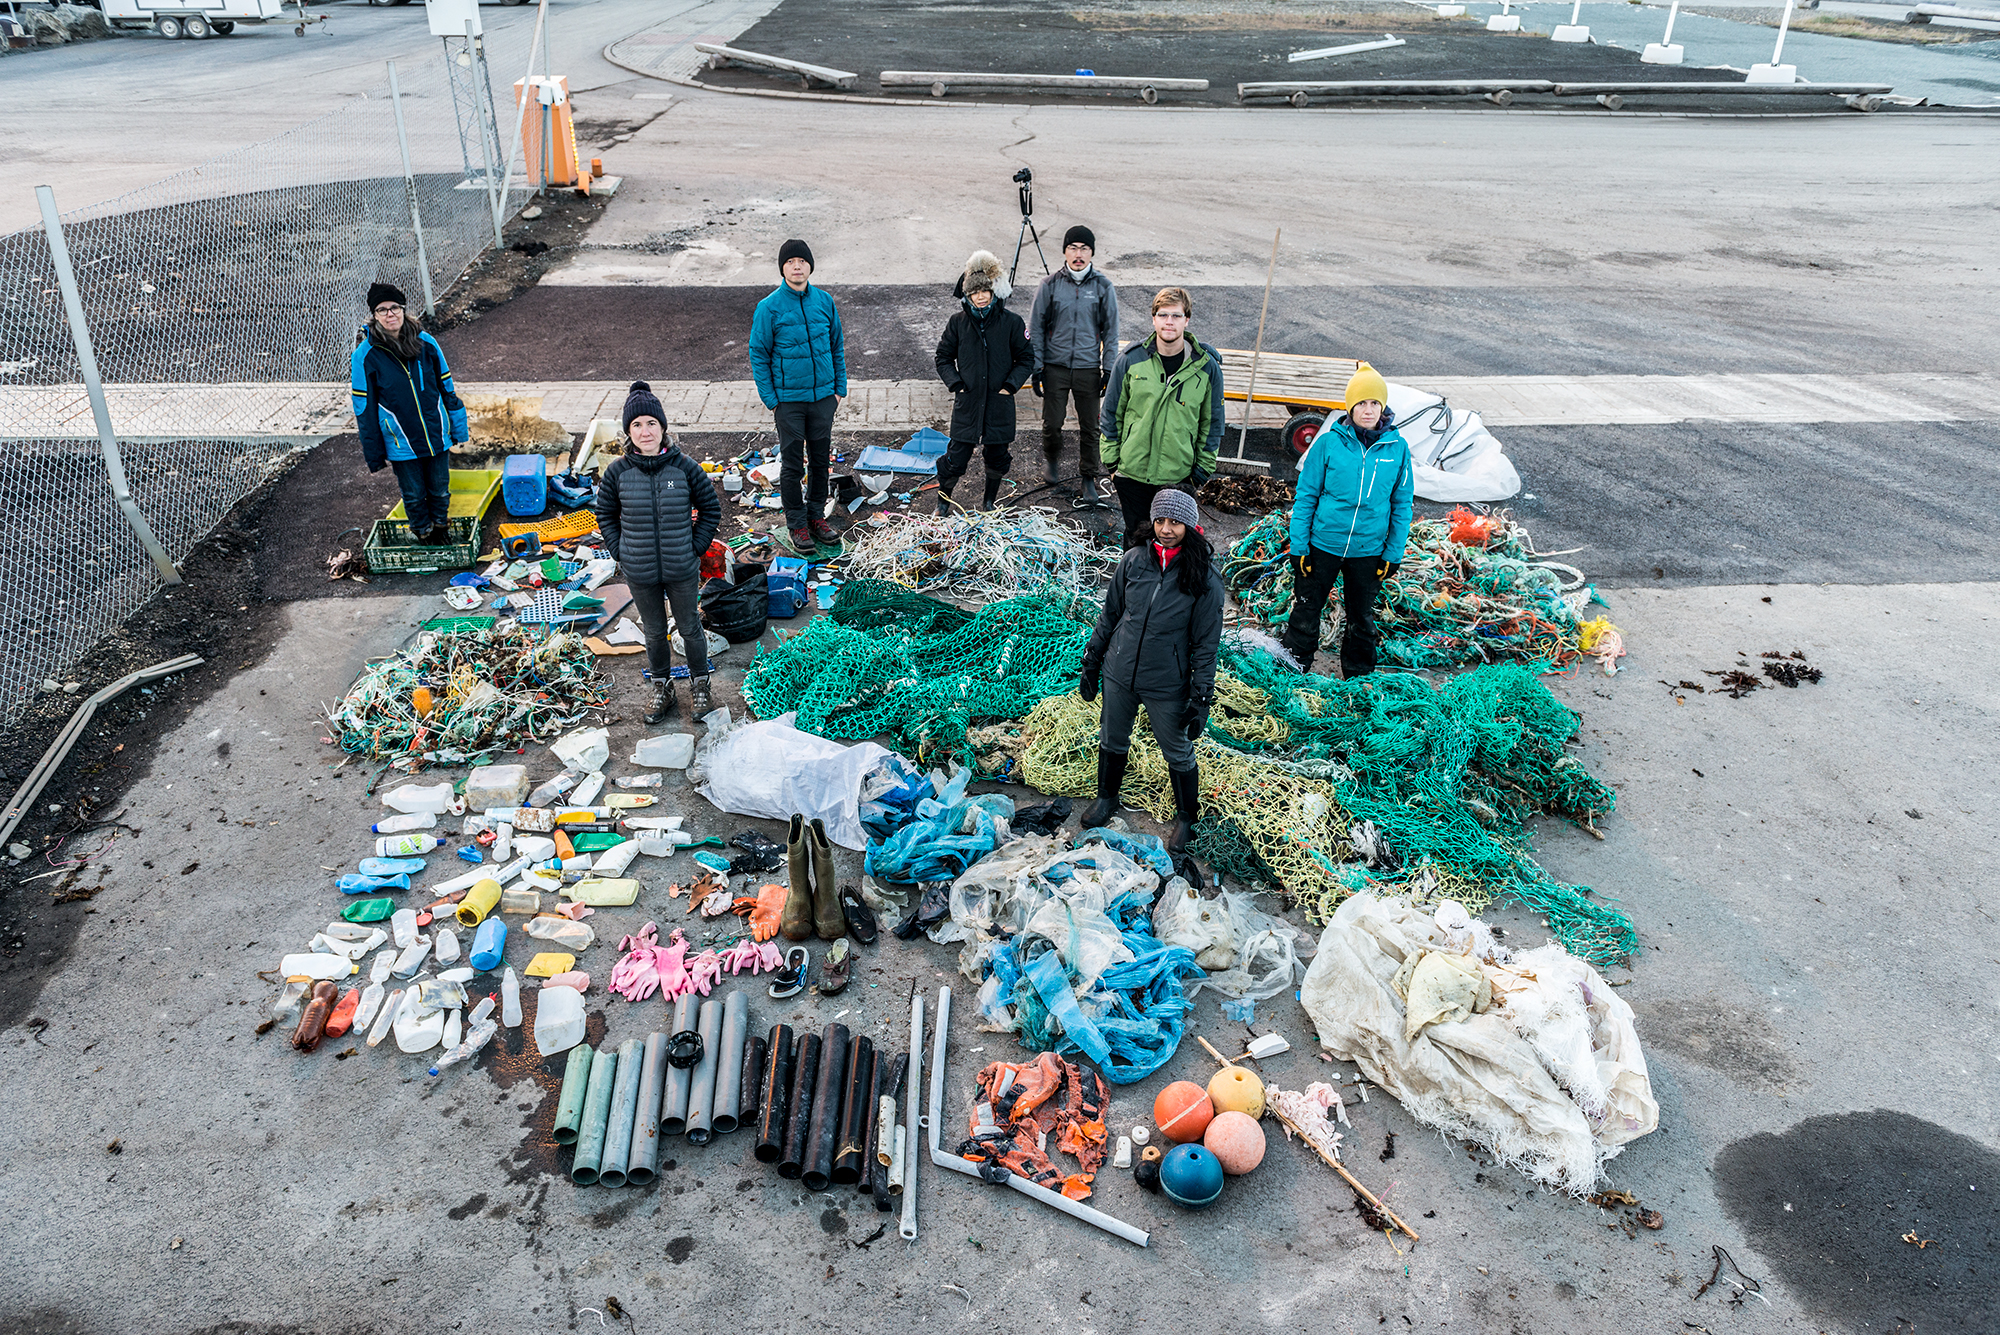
774,1096
824,1127
798,1119
870,1093
750,1085
847,1145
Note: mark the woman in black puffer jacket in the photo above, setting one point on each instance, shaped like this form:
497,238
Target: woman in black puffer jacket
1155,644
658,511
984,359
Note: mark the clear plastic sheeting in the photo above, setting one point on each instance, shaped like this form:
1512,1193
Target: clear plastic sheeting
1249,954
1531,1054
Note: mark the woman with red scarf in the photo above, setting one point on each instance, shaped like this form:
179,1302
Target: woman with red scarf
1155,645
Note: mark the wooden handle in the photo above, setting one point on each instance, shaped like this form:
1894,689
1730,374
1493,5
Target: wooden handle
1221,1060
1348,1177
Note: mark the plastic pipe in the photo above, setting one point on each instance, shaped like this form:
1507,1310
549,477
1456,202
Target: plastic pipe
478,902
866,1090
729,1064
701,1089
897,1163
824,1128
855,1095
624,1102
892,1090
569,1108
775,1098
674,1098
642,1165
596,1111
907,1146
875,1167
798,1119
935,1120
750,1084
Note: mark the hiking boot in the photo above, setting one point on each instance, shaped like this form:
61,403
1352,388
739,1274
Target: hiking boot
796,922
1187,806
698,699
802,541
1110,777
824,533
828,920
665,702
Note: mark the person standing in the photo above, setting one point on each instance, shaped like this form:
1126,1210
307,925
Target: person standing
1074,321
1162,418
657,511
798,357
1155,645
407,411
1350,522
983,360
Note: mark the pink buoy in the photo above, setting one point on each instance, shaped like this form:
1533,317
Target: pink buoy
1236,1140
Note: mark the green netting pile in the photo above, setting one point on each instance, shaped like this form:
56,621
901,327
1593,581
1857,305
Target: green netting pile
890,661
1471,590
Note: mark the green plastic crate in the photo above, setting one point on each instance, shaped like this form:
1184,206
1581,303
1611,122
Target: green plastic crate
472,491
391,547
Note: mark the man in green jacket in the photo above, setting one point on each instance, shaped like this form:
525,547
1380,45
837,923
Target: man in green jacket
1162,418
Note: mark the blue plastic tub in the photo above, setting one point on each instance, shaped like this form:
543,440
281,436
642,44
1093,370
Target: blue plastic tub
524,485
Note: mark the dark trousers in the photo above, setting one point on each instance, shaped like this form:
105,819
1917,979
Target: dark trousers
997,455
1136,500
1121,708
805,442
650,601
426,486
1062,385
1359,588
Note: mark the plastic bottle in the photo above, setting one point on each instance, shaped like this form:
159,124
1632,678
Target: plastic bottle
639,780
488,944
371,1001
482,1034
554,788
291,998
387,1019
355,884
586,792
445,946
482,1010
412,797
664,844
520,901
383,963
404,845
404,824
404,925
412,958
390,866
503,842
510,999
454,1029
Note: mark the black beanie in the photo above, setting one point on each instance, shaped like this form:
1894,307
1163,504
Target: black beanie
795,250
640,401
381,292
1080,233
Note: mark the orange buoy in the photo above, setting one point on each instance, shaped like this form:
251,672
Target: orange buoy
1237,1089
1237,1140
1182,1111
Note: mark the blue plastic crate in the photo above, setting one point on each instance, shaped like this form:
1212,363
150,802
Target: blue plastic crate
524,485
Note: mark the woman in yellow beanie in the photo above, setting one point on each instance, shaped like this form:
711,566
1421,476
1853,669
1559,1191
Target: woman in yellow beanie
1350,521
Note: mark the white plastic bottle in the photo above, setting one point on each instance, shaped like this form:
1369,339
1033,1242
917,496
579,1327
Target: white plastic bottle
371,1001
454,1028
482,1034
510,999
416,798
404,845
503,842
481,1011
404,923
404,824
445,945
586,792
387,1019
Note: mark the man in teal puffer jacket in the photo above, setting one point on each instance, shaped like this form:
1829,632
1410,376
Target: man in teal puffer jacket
798,357
1350,522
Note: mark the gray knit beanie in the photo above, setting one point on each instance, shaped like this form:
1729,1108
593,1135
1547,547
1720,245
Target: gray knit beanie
1171,504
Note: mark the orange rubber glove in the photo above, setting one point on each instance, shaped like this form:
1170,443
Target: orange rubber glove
770,905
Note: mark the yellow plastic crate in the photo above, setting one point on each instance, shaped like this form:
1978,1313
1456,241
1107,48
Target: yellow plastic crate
560,529
472,490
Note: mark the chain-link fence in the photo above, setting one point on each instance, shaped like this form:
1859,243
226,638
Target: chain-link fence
223,304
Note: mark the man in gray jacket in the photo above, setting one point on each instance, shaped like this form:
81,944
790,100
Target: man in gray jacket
1074,328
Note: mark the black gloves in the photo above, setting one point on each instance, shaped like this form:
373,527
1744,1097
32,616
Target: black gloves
1036,381
1087,686
1195,722
1387,569
1302,564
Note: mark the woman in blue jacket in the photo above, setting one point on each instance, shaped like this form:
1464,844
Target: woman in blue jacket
407,411
1350,522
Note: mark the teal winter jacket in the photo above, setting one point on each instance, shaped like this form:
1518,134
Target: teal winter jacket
1354,500
797,351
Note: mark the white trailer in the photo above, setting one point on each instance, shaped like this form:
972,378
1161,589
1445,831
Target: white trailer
203,18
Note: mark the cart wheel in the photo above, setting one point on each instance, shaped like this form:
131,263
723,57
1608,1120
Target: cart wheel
1300,430
167,26
1299,98
195,26
299,31
223,27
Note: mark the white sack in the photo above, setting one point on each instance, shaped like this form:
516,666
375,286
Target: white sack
772,769
1454,456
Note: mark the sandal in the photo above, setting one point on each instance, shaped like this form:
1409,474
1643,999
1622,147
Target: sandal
791,980
833,974
860,918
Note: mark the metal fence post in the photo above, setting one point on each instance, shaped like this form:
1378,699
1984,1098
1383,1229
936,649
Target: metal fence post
86,356
489,130
410,188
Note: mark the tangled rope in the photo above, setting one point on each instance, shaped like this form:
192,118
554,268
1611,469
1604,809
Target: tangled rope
453,695
1472,589
982,557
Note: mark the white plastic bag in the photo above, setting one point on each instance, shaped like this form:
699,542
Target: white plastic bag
771,769
1249,954
584,751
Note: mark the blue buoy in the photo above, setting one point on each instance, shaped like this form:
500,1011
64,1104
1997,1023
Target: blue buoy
1191,1176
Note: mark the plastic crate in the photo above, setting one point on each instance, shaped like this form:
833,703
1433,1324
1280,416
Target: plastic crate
524,485
391,547
472,490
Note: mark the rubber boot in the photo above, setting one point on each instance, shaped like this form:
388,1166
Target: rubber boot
944,495
1110,777
993,481
698,701
1055,469
665,702
828,919
796,921
1187,806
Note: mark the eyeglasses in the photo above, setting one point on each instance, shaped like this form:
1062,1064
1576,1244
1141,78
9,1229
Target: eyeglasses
1076,245
385,310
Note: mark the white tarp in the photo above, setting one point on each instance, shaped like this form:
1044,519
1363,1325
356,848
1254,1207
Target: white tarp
1455,457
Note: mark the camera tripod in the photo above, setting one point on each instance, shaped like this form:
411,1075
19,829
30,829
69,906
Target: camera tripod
1025,179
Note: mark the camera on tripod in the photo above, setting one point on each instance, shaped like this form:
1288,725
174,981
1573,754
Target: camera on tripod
1024,180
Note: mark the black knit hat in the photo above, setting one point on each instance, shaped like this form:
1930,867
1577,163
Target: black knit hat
1080,233
795,250
381,292
640,401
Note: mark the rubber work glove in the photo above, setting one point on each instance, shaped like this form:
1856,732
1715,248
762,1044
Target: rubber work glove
1302,565
1195,721
1387,569
1036,382
1087,685
770,905
704,972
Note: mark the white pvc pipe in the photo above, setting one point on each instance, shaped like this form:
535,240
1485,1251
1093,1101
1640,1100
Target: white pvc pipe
1784,24
1673,11
911,1102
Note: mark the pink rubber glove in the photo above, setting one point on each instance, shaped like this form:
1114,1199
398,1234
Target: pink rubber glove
575,978
704,972
671,961
769,957
741,956
647,936
636,977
